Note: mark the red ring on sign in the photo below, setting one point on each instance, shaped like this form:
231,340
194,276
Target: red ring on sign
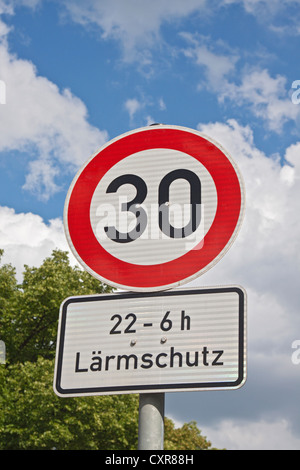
117,272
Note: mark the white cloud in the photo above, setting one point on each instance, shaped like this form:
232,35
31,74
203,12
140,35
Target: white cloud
149,120
279,16
27,239
266,96
217,67
266,7
262,434
50,123
132,105
5,7
136,24
162,105
258,435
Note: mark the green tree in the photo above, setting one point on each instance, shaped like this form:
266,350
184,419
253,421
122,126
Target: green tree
29,326
31,415
8,286
185,438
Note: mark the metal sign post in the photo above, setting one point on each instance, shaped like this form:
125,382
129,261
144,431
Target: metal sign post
151,421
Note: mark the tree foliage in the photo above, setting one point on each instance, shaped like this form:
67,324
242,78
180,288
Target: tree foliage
31,415
185,438
29,324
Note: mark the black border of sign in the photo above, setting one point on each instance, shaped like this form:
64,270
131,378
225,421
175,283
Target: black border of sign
161,387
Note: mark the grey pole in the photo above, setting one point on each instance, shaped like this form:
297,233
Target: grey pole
151,421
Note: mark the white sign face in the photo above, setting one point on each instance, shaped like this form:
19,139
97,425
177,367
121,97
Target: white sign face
152,166
176,340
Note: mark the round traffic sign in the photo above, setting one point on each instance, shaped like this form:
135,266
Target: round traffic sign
154,208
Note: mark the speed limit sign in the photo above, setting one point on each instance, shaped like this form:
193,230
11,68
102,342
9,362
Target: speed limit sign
154,208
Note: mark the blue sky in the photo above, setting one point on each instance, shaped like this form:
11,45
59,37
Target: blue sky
80,73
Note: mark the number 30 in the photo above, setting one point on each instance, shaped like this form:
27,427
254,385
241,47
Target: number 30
163,198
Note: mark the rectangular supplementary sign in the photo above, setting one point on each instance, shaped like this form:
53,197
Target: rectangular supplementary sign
175,340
